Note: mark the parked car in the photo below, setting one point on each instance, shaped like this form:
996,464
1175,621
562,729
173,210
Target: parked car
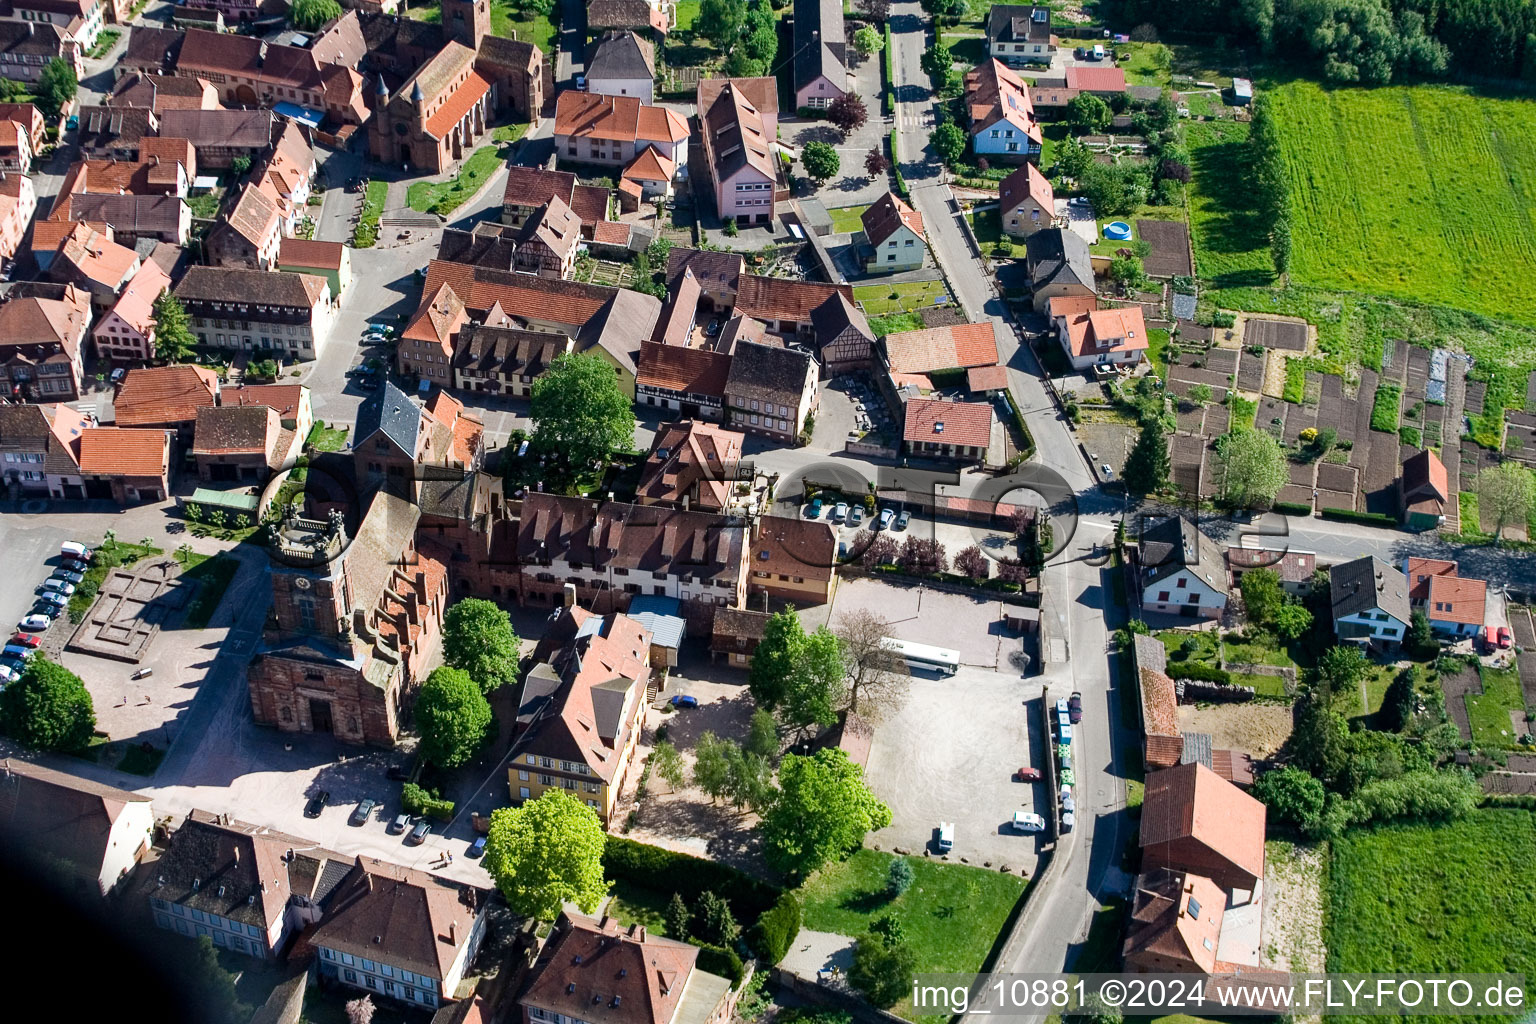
1068,821
364,811
1109,474
69,576
400,824
50,599
840,512
26,640
886,515
73,565
72,549
682,700
419,833
57,586
855,516
9,675
1027,775
1075,707
14,664
1028,821
118,375
902,520
34,623
18,652
477,848
1505,638
317,804
946,836
814,508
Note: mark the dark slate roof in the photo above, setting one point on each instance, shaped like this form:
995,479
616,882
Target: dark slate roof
713,268
621,55
1018,23
768,373
129,213
506,350
835,316
1368,583
151,46
1176,543
821,46
391,410
1057,255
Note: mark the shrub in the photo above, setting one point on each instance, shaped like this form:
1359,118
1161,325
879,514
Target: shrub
1347,515
664,870
1201,671
1292,508
419,801
900,879
723,962
776,930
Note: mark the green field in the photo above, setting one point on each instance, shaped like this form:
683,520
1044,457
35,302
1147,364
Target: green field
847,219
1230,251
1488,712
883,299
446,196
1425,193
952,914
1454,898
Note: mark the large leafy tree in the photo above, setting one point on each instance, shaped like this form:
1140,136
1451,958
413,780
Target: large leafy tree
1087,113
721,21
820,160
48,708
815,689
478,637
1508,492
1262,595
867,41
1254,468
173,331
774,659
580,412
56,86
882,968
452,716
309,15
821,812
948,142
848,113
546,853
938,63
1293,796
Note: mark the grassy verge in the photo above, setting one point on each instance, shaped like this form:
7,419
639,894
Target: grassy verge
367,231
444,197
1157,349
507,134
1263,685
952,914
213,575
326,439
104,42
882,299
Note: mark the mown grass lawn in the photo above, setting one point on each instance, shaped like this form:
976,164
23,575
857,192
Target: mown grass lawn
1458,897
952,914
1489,711
895,323
881,299
1231,247
845,219
636,904
508,133
1424,193
687,14
540,30
327,439
444,197
213,575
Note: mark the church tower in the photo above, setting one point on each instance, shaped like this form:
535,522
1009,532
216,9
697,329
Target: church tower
467,21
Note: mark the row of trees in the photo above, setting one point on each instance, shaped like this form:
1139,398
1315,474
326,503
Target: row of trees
745,32
1367,41
452,713
1271,196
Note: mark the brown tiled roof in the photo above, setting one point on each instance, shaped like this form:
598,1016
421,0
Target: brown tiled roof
129,214
735,136
611,232
302,252
510,53
458,103
616,118
992,93
535,186
1026,183
231,430
520,295
691,459
402,916
228,52
171,151
153,47
609,974
590,203
959,423
50,430
1424,477
1291,566
676,368
942,348
255,217
762,93
96,257
438,319
490,350
791,546
1175,921
1159,703
63,818
1193,802
237,284
285,398
779,298
680,311
1456,599
118,451
29,320
885,215
713,268
165,394
159,92
987,378
241,129
614,534
625,14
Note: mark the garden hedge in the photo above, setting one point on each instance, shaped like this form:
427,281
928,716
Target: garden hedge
419,801
776,930
666,871
1199,670
721,961
1348,515
1292,508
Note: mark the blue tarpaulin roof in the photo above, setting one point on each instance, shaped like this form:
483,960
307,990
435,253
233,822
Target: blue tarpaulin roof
297,113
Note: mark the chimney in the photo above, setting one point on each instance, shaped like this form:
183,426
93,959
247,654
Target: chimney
453,932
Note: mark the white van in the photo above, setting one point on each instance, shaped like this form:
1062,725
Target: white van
946,836
70,549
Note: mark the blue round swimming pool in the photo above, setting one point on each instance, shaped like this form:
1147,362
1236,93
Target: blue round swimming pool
1117,230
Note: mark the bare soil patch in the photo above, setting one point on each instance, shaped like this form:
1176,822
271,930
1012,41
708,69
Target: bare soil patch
1259,729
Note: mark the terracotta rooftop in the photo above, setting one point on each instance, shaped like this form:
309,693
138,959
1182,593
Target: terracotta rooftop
116,451
690,459
459,103
609,974
885,215
1193,802
792,546
616,118
1456,599
986,378
302,252
165,394
686,370
957,423
942,348
1026,183
779,298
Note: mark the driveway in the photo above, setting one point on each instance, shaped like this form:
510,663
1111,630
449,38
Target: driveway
851,186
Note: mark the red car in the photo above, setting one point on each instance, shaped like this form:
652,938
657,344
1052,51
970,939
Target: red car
1027,775
25,640
1505,638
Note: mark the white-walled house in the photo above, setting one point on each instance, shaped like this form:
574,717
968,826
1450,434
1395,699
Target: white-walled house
1181,571
1370,602
737,148
92,833
1454,605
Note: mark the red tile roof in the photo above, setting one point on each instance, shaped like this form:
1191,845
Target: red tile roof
602,962
779,298
462,100
165,394
616,118
887,214
1095,79
1456,599
958,423
115,451
1159,704
675,368
520,295
1026,183
285,398
1420,571
1193,802
301,252
987,378
942,348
